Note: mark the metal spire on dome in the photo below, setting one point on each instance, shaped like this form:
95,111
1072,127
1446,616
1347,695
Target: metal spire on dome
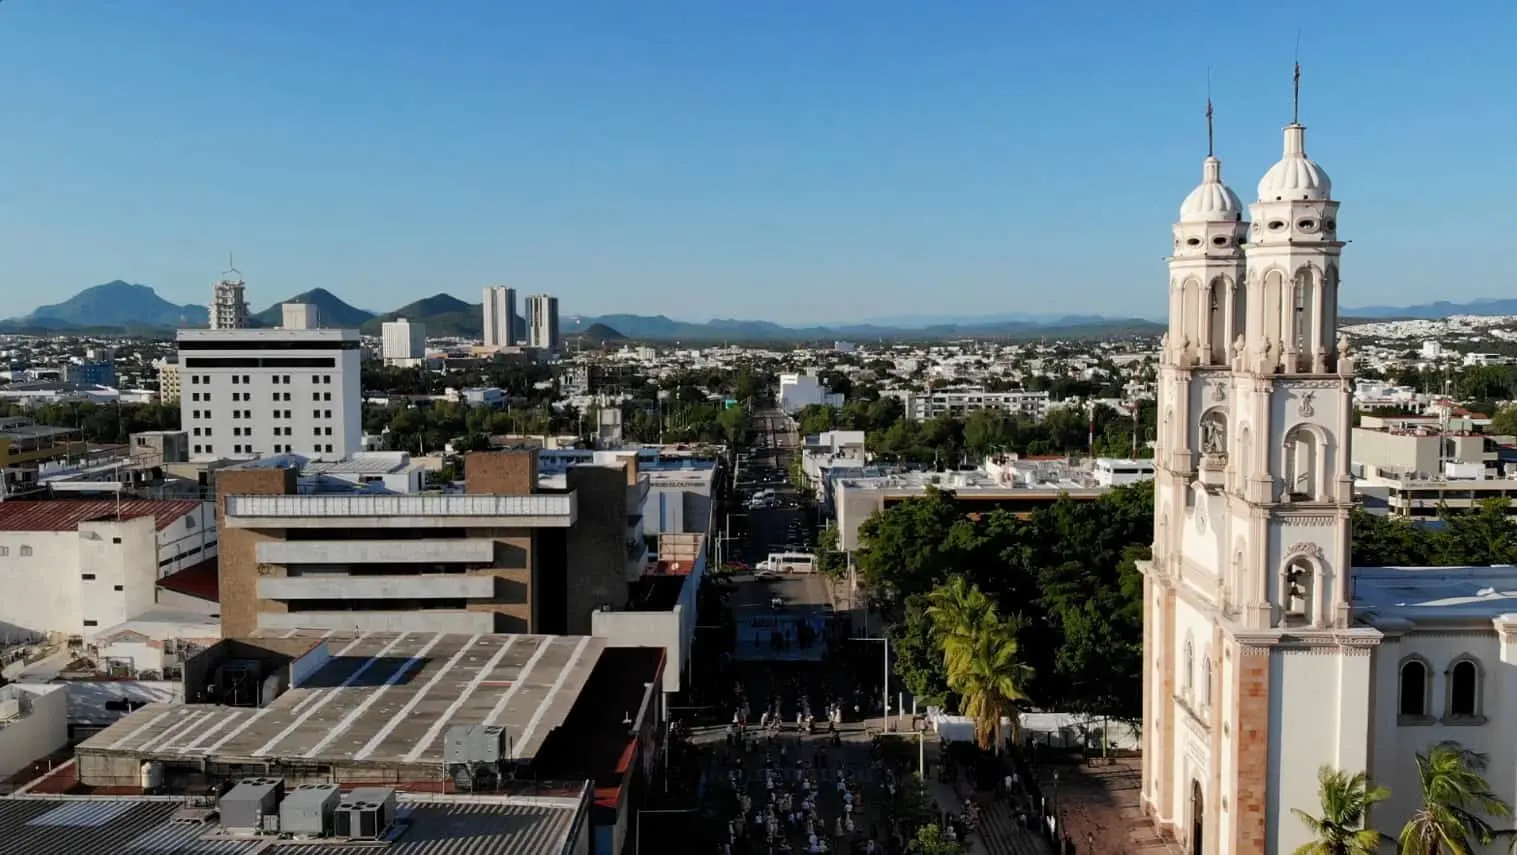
1296,84
1211,145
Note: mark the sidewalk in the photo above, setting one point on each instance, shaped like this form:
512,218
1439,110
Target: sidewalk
999,833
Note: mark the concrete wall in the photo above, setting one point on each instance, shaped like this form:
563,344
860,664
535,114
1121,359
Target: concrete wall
597,545
647,629
35,735
40,576
240,605
123,559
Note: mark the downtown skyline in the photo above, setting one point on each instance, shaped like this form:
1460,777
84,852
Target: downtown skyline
791,165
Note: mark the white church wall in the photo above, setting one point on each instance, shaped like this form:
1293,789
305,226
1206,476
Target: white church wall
1397,740
1226,765
1193,633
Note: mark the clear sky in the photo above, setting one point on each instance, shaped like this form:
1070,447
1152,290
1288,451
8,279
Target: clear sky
790,160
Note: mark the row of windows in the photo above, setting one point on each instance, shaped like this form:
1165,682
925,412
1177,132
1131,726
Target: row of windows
90,577
247,397
247,380
316,448
248,414
26,551
1463,690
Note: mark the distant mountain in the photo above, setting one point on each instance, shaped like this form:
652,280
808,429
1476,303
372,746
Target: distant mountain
663,328
444,315
1433,311
334,312
115,304
594,335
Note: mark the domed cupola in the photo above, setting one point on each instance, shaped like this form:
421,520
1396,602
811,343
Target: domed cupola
1296,177
1211,201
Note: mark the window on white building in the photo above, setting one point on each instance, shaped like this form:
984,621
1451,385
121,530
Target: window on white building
1206,681
1415,690
1464,680
26,551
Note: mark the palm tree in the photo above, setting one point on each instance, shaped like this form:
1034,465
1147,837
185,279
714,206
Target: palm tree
959,612
1345,799
990,680
1455,801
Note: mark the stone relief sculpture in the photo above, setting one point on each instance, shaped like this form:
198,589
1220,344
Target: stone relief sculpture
1213,434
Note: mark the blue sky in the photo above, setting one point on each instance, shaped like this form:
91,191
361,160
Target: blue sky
799,161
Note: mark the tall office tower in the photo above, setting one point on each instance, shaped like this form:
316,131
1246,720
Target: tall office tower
403,343
500,316
542,322
229,305
251,392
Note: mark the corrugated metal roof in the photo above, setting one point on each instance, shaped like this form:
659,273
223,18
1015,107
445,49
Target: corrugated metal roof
125,826
67,514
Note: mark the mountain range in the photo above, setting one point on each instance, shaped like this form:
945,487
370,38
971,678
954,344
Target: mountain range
120,307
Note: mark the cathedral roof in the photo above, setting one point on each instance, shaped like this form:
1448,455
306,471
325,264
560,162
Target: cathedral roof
1295,177
1211,201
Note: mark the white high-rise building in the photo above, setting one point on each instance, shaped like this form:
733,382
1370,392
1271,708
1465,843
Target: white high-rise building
1267,654
246,393
500,316
542,322
403,343
229,304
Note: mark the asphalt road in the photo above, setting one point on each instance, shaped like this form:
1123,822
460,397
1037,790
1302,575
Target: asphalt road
773,529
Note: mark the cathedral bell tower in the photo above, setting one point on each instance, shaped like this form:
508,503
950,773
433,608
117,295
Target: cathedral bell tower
1292,407
1207,307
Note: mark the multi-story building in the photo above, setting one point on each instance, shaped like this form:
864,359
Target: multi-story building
542,322
71,567
403,343
960,402
229,303
507,554
500,316
91,373
801,390
168,378
250,392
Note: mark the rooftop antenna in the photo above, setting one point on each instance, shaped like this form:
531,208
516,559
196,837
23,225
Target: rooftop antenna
1211,147
1296,84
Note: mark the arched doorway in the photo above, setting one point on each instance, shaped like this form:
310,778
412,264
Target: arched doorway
1197,819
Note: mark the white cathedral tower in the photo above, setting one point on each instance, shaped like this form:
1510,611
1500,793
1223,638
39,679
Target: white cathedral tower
1246,613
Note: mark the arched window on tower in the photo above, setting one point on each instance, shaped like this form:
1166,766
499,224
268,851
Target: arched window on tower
1301,321
1240,312
1296,593
1216,320
1303,465
1464,689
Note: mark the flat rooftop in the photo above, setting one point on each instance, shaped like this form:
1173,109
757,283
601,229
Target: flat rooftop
482,825
1435,593
384,699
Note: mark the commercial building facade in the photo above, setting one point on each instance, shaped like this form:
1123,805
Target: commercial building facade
506,555
255,392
